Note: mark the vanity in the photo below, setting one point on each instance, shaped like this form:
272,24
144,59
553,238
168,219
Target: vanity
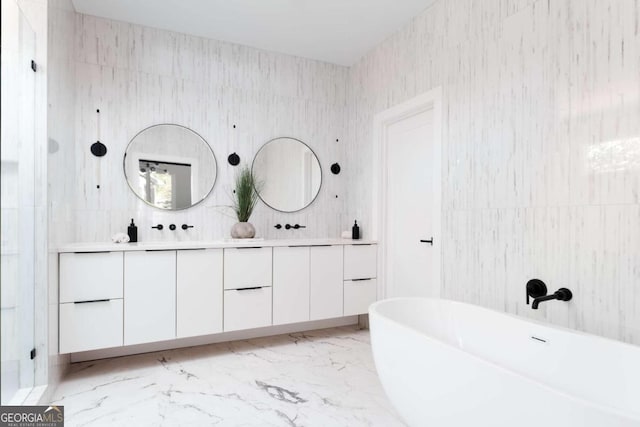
123,298
116,295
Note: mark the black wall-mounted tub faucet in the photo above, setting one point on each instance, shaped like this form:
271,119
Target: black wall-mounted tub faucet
562,294
537,290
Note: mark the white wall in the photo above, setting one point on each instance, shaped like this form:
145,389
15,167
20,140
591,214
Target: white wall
541,149
139,76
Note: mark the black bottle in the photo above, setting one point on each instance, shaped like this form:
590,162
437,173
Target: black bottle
355,231
132,231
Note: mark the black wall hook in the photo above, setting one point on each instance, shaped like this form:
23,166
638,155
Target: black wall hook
98,149
233,159
335,168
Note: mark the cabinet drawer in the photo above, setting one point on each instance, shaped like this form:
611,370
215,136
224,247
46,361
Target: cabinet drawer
90,325
359,295
247,308
360,262
247,267
90,276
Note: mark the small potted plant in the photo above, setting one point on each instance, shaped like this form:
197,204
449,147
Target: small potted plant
244,201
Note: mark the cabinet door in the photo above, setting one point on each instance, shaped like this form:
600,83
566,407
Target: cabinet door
90,326
90,276
290,285
199,292
247,308
247,268
360,262
326,282
359,295
149,296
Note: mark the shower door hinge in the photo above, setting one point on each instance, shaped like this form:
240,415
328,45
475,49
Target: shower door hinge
34,67
33,354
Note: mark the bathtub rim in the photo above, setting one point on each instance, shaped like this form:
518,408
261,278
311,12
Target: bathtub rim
634,416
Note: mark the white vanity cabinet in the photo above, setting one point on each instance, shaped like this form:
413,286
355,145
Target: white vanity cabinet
326,282
247,308
290,284
247,288
90,325
149,296
360,272
90,276
199,292
90,310
247,267
360,261
129,294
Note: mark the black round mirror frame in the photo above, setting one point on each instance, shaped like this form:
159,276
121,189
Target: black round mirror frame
124,166
319,165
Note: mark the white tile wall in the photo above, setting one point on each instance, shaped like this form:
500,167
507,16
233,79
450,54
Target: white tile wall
140,76
541,149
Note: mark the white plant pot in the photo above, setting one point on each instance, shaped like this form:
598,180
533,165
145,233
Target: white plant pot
243,230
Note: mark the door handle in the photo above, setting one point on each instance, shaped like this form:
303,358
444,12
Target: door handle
430,241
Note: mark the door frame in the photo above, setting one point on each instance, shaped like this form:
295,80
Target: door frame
431,100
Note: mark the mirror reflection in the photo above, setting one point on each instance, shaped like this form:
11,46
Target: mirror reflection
289,172
170,167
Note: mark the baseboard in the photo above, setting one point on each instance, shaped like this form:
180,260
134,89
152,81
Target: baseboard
212,339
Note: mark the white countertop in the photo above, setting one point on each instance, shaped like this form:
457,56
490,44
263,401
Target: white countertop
211,244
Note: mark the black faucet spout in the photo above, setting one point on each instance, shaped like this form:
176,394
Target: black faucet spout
537,301
562,294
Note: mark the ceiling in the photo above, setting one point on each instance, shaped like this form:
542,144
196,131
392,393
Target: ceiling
336,31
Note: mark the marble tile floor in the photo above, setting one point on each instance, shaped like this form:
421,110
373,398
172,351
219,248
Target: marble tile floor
319,378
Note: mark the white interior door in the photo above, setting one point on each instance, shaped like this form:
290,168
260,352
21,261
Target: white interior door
412,217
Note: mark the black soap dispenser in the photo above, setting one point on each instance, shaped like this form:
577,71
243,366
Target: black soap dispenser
355,231
132,231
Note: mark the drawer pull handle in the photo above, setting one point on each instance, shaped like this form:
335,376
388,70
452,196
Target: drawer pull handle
93,300
359,280
250,247
93,252
249,289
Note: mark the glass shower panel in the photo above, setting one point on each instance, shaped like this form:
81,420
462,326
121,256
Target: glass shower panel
17,204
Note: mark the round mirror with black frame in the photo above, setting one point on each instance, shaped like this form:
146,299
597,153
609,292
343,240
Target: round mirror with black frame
289,173
170,167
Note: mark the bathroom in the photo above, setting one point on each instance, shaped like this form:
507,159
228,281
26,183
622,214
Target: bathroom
508,128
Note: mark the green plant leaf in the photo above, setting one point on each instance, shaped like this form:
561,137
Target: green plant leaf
246,195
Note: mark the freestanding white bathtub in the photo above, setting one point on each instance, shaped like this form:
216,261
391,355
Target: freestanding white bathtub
444,363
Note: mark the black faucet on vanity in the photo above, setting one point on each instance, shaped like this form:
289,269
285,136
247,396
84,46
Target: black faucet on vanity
537,290
289,226
295,227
